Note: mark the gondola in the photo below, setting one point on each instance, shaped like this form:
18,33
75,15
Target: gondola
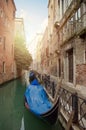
38,102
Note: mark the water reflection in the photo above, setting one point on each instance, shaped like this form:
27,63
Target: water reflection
22,124
13,114
11,107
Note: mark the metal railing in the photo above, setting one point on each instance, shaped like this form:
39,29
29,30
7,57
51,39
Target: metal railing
82,112
49,85
71,101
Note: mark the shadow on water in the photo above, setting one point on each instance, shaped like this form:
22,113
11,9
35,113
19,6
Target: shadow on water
13,114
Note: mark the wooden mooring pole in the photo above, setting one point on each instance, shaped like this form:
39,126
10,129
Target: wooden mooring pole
69,123
74,114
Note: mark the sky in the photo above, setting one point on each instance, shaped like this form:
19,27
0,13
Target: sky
35,14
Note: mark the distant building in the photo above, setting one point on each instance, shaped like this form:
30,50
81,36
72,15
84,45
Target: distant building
7,63
45,53
20,32
19,27
35,50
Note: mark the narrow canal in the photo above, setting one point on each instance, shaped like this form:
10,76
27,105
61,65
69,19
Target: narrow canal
13,114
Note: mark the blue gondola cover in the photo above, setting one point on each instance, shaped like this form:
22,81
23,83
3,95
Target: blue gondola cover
37,99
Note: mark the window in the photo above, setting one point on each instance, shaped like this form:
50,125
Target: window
85,55
59,67
12,48
62,7
6,1
12,68
78,14
0,40
84,8
70,64
1,13
4,39
47,63
58,2
3,67
76,18
13,14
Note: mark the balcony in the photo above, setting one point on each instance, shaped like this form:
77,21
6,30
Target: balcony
68,33
70,10
74,28
81,26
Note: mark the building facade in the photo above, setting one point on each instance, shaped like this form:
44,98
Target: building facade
7,63
45,53
19,27
52,38
67,57
38,52
67,37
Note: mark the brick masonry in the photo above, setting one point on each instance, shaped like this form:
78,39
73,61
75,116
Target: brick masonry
81,74
7,16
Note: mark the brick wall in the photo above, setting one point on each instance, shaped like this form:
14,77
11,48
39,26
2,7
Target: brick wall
81,74
7,40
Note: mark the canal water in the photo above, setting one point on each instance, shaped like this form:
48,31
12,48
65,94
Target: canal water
13,114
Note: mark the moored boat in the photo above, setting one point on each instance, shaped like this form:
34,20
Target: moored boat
38,102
